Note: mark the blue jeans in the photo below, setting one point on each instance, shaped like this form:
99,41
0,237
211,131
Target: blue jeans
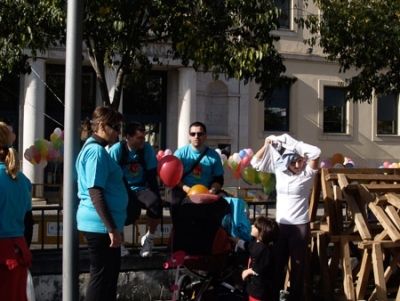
105,263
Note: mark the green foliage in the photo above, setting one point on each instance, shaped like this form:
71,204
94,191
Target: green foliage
364,34
32,25
228,37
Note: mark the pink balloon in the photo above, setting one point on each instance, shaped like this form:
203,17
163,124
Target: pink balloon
170,170
386,164
167,152
325,163
245,160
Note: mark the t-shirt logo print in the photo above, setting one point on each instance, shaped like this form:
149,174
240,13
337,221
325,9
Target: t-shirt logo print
134,168
197,171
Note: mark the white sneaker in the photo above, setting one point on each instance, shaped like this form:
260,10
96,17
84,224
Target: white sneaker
143,239
124,251
147,246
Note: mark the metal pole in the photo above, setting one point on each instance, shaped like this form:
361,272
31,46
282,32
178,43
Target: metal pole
73,82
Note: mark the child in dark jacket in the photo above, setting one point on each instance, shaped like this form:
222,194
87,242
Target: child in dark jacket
260,272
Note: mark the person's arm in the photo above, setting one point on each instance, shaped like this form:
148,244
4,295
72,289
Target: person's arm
216,184
28,223
265,157
151,180
102,209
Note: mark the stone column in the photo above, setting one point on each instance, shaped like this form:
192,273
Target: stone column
186,103
34,109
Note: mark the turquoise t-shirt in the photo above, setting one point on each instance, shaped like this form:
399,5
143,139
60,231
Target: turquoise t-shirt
15,201
96,168
209,166
133,171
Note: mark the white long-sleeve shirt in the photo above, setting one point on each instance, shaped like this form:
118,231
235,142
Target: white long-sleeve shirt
293,190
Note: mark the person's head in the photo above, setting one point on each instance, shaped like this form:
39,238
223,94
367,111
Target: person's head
8,155
135,133
296,165
106,123
197,135
265,230
291,161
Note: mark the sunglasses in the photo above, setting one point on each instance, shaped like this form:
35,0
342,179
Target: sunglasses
199,134
115,127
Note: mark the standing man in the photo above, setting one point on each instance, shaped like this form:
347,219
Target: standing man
201,165
139,165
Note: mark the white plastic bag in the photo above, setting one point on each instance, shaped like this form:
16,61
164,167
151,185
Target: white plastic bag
30,289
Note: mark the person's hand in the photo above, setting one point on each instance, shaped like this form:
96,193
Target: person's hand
185,188
116,239
233,240
268,141
247,273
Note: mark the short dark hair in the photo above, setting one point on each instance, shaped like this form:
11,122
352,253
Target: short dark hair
132,127
198,123
268,229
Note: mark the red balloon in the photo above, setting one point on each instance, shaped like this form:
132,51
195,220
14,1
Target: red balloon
170,170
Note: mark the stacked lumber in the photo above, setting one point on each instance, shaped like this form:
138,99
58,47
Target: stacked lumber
372,233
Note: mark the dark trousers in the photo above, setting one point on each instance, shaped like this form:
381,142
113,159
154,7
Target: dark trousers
105,264
293,242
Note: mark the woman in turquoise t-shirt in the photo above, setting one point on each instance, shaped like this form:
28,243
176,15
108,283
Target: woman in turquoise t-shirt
102,207
15,205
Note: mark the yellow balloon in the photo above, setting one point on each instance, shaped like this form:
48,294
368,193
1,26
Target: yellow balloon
249,174
198,189
264,177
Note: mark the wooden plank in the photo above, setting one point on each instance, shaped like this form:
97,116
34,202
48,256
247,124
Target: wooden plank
365,269
337,207
386,223
381,236
314,199
365,194
393,199
327,193
383,188
347,272
377,265
323,263
358,216
394,216
384,243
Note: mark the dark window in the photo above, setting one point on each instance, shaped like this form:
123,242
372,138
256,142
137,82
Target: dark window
9,102
55,98
284,20
335,112
144,100
276,112
388,107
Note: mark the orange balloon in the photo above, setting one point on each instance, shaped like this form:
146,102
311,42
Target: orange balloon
337,158
198,189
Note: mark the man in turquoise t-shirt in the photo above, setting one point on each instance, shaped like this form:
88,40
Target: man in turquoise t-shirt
140,171
208,171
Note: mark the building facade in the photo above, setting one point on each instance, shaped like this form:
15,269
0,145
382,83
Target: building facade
312,109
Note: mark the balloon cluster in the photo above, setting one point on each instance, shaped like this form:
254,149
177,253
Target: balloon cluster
252,176
237,161
387,164
161,153
44,151
337,161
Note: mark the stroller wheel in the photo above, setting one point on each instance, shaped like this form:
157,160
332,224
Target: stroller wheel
184,288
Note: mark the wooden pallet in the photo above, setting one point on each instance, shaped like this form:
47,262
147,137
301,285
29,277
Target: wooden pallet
369,239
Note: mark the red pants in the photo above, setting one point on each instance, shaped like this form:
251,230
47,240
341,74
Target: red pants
13,283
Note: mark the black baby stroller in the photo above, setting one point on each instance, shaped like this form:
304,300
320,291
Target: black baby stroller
201,245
